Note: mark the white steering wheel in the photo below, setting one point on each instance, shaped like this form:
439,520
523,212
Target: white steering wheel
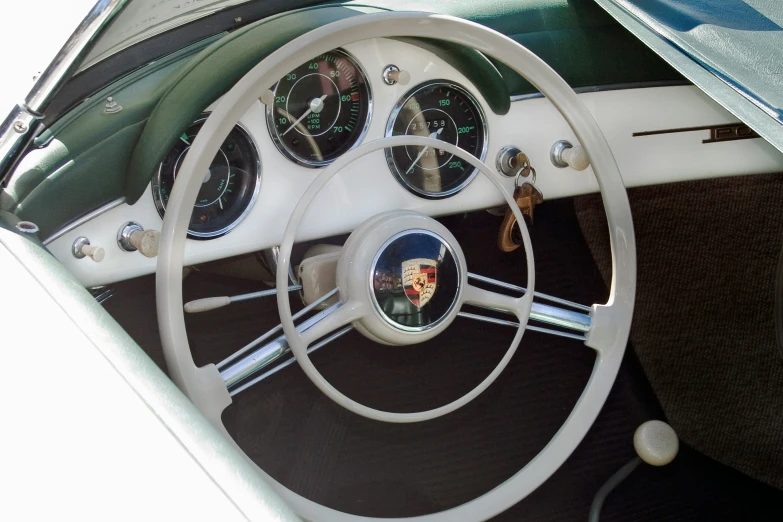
384,237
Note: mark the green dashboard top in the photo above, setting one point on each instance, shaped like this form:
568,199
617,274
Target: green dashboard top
89,158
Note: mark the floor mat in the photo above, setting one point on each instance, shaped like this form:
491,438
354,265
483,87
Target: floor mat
364,467
703,325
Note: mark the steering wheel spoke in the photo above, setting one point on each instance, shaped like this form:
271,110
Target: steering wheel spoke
572,320
332,319
490,300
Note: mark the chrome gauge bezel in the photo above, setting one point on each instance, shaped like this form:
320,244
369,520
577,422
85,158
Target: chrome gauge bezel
285,151
161,206
393,119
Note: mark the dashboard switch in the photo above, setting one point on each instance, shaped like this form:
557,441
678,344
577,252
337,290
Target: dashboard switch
564,154
133,237
82,248
393,75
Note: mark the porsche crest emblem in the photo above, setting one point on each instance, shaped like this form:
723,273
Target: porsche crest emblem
419,279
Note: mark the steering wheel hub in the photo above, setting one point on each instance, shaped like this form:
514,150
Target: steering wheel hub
409,269
415,280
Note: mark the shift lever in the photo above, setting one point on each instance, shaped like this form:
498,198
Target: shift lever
655,443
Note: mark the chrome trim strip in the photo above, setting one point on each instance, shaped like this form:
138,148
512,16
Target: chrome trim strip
16,132
262,293
552,315
609,87
222,364
521,290
503,322
269,353
558,317
571,319
84,219
289,362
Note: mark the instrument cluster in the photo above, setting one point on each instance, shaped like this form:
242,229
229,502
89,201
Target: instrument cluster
316,113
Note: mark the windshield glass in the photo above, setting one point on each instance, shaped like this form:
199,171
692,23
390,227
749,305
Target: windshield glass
142,19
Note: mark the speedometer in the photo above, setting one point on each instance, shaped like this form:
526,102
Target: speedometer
446,112
321,109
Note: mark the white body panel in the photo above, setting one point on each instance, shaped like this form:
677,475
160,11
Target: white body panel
367,187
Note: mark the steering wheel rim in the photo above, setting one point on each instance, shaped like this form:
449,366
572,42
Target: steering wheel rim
610,322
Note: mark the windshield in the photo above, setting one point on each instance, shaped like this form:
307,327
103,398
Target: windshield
142,19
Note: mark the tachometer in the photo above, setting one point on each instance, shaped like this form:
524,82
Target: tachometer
321,109
228,190
446,112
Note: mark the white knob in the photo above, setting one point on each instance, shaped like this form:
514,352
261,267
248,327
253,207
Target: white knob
95,253
401,77
145,241
393,74
656,443
576,157
206,304
267,97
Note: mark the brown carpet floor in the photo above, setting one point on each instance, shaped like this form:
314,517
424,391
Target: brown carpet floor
703,326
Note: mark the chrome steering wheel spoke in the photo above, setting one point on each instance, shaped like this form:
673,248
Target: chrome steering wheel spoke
573,319
326,326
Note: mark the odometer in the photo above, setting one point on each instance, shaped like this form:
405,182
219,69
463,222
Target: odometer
446,112
321,109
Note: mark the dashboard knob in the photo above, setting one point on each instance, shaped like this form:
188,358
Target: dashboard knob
82,248
392,75
146,242
564,154
133,237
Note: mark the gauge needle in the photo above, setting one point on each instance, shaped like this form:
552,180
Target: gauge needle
434,135
316,105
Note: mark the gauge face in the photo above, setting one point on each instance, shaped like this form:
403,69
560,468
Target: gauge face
228,189
321,109
446,112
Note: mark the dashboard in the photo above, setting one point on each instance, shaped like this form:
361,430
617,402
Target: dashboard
377,88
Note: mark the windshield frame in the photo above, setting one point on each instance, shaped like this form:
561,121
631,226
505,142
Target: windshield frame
25,120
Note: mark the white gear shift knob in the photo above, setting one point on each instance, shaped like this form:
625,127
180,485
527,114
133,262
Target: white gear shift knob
656,443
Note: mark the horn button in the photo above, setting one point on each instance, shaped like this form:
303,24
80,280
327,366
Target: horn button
411,270
415,280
